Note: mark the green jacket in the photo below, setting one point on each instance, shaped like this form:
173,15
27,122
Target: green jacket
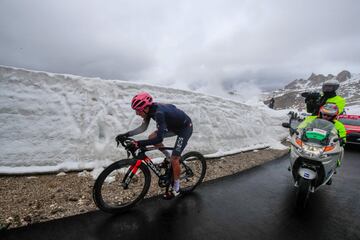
339,101
338,125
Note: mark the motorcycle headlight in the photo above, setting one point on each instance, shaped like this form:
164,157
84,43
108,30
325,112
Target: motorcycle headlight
313,149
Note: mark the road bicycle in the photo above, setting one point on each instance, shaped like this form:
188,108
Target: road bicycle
125,183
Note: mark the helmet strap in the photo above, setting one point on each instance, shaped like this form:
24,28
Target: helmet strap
146,110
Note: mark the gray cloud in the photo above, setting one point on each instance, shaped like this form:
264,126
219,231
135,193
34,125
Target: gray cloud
187,44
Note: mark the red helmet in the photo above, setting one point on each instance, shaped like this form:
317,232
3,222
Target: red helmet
330,110
141,101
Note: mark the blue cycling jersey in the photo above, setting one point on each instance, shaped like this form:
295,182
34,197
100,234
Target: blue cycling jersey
172,118
168,118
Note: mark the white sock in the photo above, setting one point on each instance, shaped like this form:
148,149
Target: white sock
176,186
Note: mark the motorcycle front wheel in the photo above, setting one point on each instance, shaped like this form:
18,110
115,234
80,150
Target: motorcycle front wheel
303,193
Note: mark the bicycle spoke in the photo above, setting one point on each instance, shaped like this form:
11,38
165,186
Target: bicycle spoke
112,193
192,172
115,194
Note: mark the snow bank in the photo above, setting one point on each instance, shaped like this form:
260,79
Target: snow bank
53,122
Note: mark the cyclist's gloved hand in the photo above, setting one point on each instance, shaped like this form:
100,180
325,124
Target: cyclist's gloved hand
133,146
121,137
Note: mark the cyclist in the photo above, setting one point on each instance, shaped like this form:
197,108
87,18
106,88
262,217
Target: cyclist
329,112
170,121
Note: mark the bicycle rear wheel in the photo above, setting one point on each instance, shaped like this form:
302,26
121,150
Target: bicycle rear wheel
192,171
118,189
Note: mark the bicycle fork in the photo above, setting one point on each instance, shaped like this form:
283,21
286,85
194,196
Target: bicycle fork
130,173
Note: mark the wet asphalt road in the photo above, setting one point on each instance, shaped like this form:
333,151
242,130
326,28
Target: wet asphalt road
255,204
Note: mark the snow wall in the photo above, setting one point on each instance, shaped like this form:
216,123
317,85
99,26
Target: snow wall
57,122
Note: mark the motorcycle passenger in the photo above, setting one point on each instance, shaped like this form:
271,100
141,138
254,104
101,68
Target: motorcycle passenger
329,95
170,121
329,112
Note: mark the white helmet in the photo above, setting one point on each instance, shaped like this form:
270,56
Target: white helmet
330,85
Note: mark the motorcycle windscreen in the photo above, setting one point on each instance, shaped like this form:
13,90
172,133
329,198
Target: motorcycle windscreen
319,130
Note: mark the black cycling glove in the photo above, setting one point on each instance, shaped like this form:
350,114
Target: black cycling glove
121,137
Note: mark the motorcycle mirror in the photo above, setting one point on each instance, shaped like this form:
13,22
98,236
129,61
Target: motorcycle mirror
293,131
285,125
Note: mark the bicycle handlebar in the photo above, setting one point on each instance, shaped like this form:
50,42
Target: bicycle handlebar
127,144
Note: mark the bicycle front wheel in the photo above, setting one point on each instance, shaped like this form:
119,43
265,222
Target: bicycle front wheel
119,187
192,171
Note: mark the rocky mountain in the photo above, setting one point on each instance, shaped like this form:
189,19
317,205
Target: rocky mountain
290,95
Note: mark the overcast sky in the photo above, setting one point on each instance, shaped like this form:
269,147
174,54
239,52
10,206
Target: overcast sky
184,43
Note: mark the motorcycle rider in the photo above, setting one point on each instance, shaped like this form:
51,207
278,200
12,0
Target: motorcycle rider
329,95
329,111
315,100
170,121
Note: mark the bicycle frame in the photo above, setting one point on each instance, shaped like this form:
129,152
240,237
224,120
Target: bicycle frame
142,158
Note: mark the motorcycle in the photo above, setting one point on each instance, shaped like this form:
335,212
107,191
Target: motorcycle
315,150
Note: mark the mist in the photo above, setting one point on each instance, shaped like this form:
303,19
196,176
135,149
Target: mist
207,46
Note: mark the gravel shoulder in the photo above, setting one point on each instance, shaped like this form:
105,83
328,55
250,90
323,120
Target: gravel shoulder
31,199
